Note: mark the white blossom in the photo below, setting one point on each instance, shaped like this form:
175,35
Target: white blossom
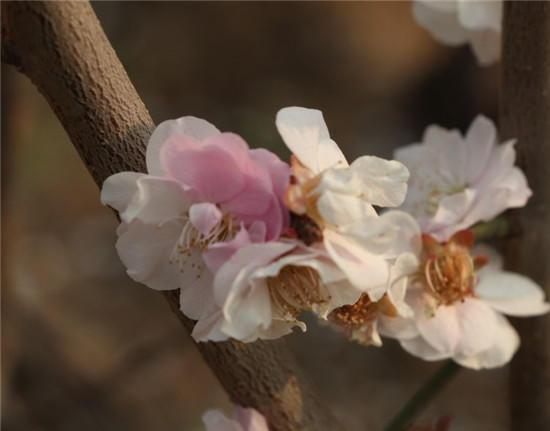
456,22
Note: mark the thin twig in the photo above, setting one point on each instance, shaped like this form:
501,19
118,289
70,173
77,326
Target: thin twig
422,398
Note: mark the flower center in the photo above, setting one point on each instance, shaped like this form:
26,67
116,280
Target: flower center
296,289
191,243
355,315
437,193
449,273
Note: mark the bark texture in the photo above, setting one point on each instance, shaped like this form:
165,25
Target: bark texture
525,114
62,48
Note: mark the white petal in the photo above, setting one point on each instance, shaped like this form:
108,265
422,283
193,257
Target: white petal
505,344
480,140
375,180
305,133
384,182
340,209
204,217
512,294
156,201
420,348
197,297
480,15
214,420
250,419
399,328
443,25
404,266
119,189
146,250
208,327
441,330
478,325
193,127
365,270
486,46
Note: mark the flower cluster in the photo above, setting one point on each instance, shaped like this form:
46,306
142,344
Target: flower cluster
253,242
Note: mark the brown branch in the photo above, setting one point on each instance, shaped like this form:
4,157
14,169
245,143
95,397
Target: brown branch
61,47
525,114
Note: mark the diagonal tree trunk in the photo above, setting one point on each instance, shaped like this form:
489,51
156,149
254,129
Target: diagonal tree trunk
62,48
525,114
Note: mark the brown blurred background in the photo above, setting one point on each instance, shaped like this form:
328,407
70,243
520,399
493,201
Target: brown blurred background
85,348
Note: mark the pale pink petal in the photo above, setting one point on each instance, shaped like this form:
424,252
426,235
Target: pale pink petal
383,182
478,325
512,294
145,250
119,189
340,209
219,253
399,328
250,419
440,328
208,327
479,142
247,309
214,420
487,46
364,270
156,200
197,297
191,127
480,15
505,344
442,24
305,133
278,170
211,172
204,217
420,348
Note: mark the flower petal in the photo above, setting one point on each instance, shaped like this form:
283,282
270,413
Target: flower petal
420,348
192,127
213,169
305,133
204,217
440,329
146,251
340,209
478,325
156,200
119,189
196,298
505,344
250,419
214,420
443,25
366,271
512,294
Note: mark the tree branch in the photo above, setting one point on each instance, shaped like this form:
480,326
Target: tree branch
62,48
525,114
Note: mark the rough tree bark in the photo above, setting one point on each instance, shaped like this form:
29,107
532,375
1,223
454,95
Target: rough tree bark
525,114
62,48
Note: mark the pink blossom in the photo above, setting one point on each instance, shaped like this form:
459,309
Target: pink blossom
244,419
222,170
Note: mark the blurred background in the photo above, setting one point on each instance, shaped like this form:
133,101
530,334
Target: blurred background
84,347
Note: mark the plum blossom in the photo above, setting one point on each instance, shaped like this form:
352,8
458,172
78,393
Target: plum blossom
244,419
202,186
459,302
261,288
456,22
457,180
332,201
